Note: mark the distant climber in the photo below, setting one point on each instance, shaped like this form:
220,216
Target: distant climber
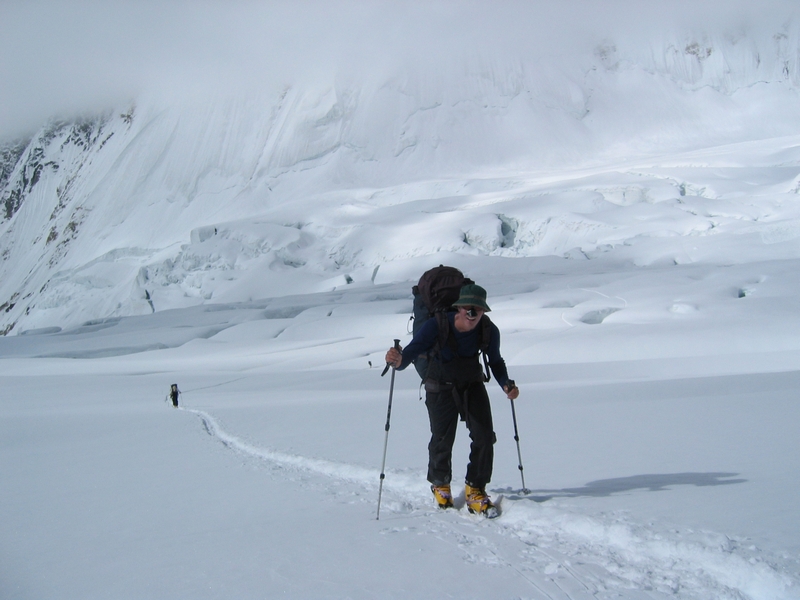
174,392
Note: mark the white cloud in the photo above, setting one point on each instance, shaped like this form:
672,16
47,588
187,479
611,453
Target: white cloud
68,56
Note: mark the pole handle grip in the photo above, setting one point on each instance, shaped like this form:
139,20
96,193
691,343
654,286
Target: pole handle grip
396,347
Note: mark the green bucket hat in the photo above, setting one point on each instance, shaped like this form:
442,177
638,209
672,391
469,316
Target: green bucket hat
472,295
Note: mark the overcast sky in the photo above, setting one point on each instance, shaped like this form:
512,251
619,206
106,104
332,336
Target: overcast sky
75,55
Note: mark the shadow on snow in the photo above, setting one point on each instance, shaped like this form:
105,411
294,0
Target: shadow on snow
607,487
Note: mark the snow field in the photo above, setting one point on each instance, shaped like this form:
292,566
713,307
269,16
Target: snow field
657,469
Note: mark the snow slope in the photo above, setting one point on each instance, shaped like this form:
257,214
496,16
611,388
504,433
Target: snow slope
115,214
658,376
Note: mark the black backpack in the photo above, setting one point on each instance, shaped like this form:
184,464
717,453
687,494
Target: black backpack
434,295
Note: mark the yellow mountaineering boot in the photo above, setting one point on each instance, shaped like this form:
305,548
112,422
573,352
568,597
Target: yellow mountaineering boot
478,502
444,499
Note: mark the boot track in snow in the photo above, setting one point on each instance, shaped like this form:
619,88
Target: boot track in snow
561,553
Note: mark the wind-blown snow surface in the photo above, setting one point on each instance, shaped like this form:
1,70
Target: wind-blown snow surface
634,217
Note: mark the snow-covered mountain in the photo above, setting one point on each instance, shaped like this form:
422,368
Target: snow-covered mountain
232,196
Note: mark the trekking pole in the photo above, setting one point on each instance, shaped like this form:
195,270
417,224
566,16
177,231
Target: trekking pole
386,439
525,490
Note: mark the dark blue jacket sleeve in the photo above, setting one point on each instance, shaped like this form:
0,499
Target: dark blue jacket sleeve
496,362
424,340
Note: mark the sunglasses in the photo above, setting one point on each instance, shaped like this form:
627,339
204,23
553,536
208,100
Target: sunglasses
473,311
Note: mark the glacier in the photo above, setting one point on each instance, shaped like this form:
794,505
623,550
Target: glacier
233,196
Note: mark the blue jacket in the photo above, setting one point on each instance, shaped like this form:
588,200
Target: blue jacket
466,343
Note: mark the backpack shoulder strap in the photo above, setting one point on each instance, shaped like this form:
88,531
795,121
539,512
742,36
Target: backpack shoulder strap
485,333
484,337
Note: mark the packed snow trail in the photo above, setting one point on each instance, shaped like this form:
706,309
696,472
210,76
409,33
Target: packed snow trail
561,553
